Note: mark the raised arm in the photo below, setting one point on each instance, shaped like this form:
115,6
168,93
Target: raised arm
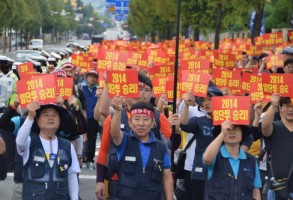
267,122
25,129
97,114
162,101
115,131
188,100
105,101
257,113
213,149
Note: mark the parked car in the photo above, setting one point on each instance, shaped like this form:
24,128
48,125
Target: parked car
36,44
97,39
71,43
24,55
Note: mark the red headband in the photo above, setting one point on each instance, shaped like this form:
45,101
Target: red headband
142,111
141,85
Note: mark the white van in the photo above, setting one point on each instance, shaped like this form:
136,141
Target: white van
36,44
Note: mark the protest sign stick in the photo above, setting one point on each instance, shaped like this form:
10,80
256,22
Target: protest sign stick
175,82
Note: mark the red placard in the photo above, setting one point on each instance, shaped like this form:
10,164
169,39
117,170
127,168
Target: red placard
277,83
123,83
195,65
159,85
233,108
252,70
225,60
64,86
25,69
41,88
94,48
254,50
228,79
290,35
256,93
101,80
110,59
137,59
157,56
199,45
291,93
189,54
197,83
242,46
170,90
276,60
269,39
247,79
83,61
162,70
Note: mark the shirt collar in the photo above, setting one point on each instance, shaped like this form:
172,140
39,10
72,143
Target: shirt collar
225,153
86,84
152,137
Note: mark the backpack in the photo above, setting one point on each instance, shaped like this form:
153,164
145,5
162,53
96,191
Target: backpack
6,88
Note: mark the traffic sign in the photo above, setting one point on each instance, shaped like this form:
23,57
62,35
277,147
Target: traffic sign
112,9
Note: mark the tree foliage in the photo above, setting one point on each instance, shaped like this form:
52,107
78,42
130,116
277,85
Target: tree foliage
149,16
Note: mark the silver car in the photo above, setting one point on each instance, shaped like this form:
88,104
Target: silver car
24,55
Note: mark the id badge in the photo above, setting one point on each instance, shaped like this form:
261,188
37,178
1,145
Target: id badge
52,156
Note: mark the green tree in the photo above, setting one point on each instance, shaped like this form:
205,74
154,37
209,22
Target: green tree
34,19
278,14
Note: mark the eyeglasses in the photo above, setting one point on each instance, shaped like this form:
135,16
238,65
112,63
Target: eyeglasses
145,89
287,106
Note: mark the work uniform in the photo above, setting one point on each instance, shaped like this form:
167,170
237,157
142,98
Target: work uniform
140,167
42,181
230,178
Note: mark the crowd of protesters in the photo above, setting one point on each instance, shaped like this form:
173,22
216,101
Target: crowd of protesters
46,144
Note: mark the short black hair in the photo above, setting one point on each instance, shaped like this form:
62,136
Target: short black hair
143,105
284,100
146,80
288,62
262,55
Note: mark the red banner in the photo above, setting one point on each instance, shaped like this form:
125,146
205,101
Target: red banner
25,69
83,61
197,65
256,93
269,39
159,85
228,79
247,79
110,59
233,108
40,88
197,83
290,35
225,60
277,83
162,70
123,83
64,86
170,90
276,60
